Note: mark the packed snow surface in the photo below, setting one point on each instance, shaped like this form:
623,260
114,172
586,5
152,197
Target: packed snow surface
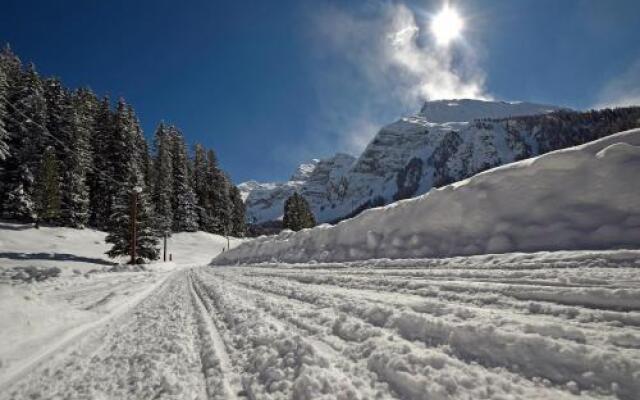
552,325
585,197
39,318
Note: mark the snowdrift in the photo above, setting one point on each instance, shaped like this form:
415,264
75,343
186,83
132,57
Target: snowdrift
585,197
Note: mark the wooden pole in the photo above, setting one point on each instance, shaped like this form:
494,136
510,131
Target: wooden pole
165,247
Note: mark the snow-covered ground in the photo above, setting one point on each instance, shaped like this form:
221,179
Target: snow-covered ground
551,325
38,319
584,197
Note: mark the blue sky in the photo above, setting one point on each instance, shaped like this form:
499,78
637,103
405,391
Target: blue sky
270,84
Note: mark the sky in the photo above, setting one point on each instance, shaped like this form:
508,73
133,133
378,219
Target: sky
271,84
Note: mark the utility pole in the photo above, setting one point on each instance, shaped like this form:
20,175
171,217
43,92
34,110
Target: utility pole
134,222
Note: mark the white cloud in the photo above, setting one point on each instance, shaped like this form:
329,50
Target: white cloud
392,64
622,91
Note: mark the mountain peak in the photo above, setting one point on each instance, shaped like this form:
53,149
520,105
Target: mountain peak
465,110
304,170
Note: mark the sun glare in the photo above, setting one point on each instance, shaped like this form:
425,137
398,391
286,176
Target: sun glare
446,25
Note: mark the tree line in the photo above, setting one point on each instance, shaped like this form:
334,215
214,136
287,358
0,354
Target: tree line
69,158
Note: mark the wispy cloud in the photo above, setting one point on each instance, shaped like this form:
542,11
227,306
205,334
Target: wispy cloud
390,65
623,90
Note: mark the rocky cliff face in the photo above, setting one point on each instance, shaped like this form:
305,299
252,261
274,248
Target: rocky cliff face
321,182
447,141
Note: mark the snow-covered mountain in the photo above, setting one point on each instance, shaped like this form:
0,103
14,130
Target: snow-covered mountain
465,110
447,141
321,182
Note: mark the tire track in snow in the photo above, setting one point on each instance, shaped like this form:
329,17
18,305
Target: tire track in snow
535,354
413,370
220,380
20,369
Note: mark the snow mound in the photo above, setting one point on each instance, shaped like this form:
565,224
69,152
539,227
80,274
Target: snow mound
585,197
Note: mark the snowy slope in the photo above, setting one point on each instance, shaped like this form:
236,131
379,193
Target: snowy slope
586,197
82,250
406,158
36,316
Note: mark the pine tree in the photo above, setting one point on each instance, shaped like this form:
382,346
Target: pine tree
163,181
47,193
76,124
55,97
26,131
185,216
120,234
220,203
4,136
100,200
297,214
10,74
200,187
127,179
238,218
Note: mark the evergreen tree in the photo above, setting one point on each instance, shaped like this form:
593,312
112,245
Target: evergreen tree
26,130
120,236
200,186
47,193
238,218
77,124
100,200
185,216
10,74
297,214
141,149
55,97
163,181
127,179
4,137
220,203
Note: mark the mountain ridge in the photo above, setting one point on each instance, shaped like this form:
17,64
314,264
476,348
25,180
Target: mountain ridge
413,154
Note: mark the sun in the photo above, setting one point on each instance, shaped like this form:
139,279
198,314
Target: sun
446,25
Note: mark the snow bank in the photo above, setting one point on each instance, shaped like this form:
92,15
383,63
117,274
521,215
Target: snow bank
585,197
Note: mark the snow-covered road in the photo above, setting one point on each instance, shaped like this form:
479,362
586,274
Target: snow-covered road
547,325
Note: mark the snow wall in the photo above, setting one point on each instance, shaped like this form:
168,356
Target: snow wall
585,197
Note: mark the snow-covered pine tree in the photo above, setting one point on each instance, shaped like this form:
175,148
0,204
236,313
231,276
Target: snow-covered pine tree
238,218
127,176
185,216
25,131
4,137
100,200
163,180
200,187
76,126
141,148
54,95
220,212
47,190
120,233
297,213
